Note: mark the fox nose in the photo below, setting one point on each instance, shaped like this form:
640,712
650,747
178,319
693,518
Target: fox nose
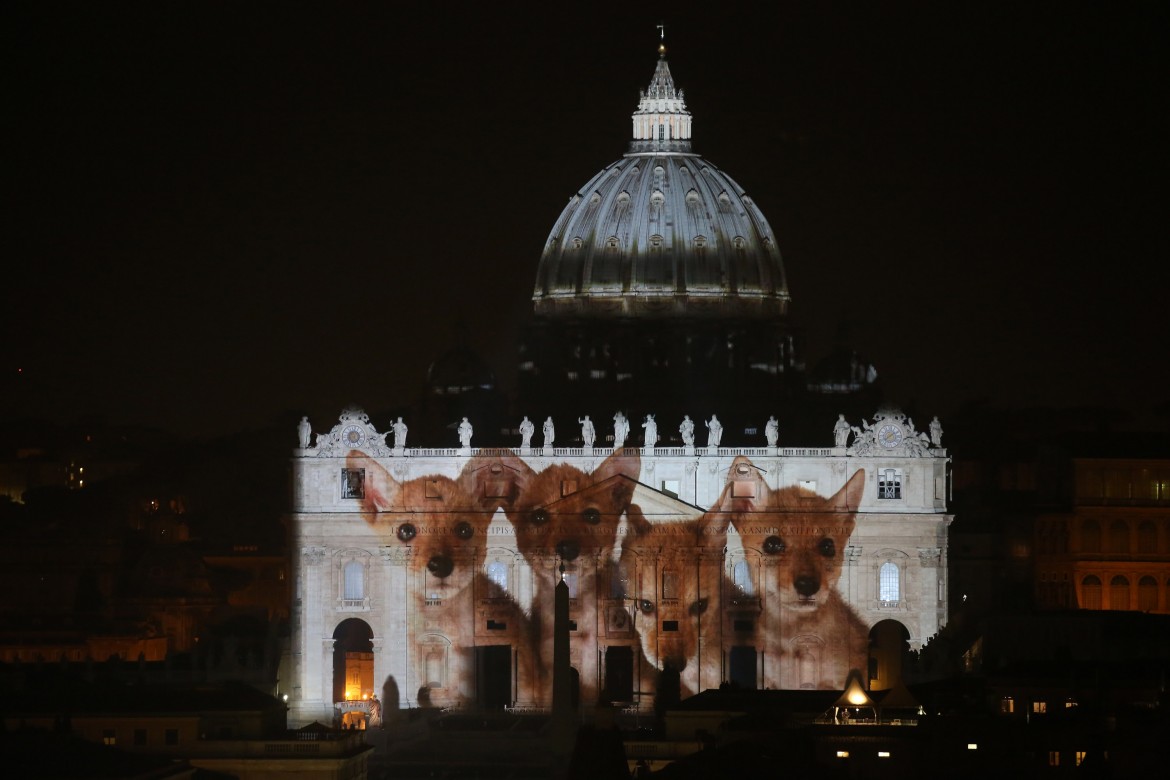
568,549
440,565
806,585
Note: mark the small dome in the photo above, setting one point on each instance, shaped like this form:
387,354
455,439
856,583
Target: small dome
661,232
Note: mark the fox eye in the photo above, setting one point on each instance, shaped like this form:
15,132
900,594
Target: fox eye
464,530
827,548
406,532
591,516
699,607
774,545
647,607
539,517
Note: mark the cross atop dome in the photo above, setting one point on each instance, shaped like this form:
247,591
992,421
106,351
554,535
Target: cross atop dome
662,122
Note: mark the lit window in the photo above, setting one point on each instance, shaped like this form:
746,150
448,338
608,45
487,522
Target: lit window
1039,707
1007,705
1053,758
889,483
742,578
888,583
1080,757
497,572
842,754
109,737
972,746
883,754
353,483
355,581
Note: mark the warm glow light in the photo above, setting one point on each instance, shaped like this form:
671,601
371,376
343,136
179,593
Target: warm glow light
883,754
856,697
842,754
972,746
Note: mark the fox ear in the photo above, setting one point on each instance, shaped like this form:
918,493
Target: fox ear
848,498
625,465
380,490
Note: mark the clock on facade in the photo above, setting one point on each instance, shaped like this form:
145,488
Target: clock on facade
889,435
353,436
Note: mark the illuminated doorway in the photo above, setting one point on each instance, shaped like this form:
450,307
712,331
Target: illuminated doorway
353,668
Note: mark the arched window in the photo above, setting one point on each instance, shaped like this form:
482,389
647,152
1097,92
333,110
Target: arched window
497,573
1147,594
1119,593
1091,537
741,576
1091,592
1118,537
889,586
355,581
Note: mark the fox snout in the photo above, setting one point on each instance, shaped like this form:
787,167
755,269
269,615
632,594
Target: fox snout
807,584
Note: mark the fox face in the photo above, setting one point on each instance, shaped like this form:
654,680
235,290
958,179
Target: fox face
799,535
437,519
674,581
564,512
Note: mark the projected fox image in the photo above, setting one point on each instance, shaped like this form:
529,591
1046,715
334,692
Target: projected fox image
563,515
746,591
440,525
793,547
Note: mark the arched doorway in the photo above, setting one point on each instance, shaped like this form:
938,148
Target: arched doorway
353,670
889,641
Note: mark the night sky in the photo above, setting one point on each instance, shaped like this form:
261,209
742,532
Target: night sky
221,213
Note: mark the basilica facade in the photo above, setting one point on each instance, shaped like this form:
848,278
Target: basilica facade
426,577
428,574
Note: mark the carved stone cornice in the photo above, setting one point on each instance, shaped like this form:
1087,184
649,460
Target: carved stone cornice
929,556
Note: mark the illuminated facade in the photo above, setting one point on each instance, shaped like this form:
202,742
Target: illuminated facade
769,567
426,576
1112,551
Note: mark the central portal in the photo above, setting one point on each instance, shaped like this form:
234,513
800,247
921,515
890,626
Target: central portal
493,676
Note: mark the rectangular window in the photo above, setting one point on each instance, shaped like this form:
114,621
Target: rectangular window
744,625
1039,707
495,625
669,584
109,737
670,625
355,582
1053,758
1080,757
1007,705
139,737
353,483
171,736
889,483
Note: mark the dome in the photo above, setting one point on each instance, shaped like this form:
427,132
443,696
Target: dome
661,232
